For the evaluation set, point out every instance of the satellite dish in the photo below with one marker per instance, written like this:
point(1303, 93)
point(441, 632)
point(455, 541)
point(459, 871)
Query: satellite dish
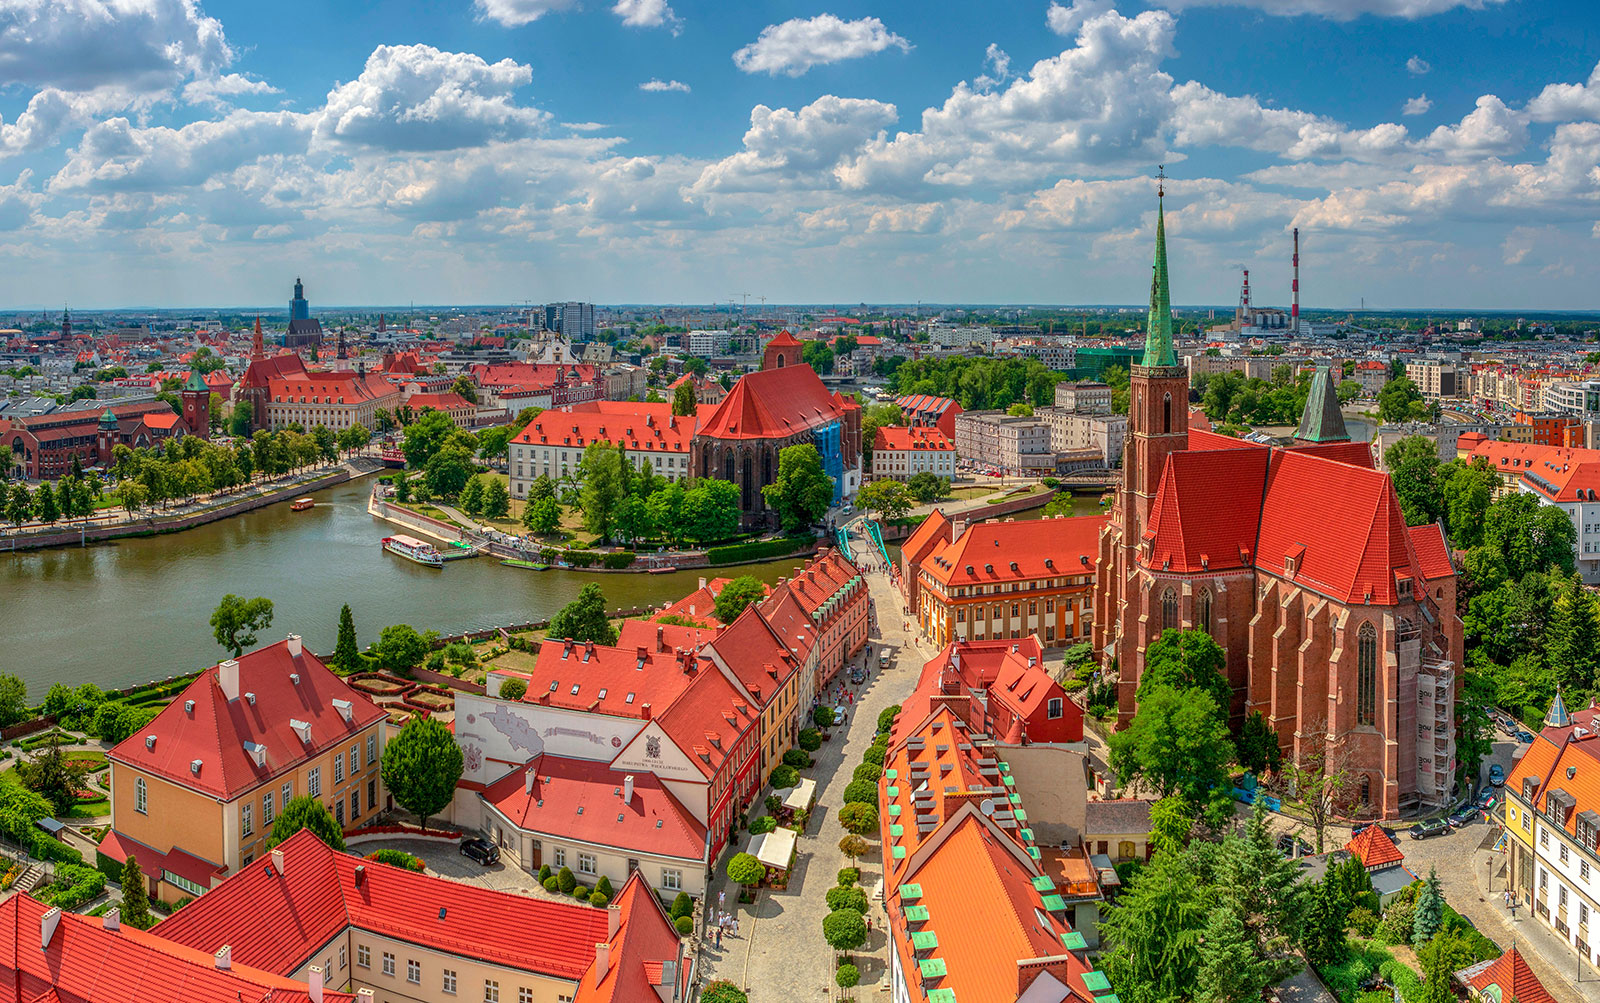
point(986, 806)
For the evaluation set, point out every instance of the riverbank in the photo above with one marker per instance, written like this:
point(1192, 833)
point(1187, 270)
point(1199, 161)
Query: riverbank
point(80, 534)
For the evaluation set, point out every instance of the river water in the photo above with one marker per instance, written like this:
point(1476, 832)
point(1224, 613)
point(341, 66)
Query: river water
point(129, 611)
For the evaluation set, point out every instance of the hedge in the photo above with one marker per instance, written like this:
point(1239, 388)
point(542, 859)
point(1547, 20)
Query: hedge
point(581, 558)
point(109, 866)
point(742, 553)
point(618, 561)
point(75, 886)
point(43, 847)
point(397, 858)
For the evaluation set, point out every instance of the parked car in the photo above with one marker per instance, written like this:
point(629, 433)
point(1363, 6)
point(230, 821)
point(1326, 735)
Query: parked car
point(883, 658)
point(1465, 815)
point(840, 716)
point(1525, 737)
point(1286, 846)
point(481, 850)
point(1432, 827)
point(1497, 775)
point(1486, 799)
point(857, 677)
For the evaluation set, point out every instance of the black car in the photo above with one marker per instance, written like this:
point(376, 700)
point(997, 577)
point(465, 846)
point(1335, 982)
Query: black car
point(1361, 827)
point(1465, 815)
point(481, 850)
point(857, 677)
point(1432, 827)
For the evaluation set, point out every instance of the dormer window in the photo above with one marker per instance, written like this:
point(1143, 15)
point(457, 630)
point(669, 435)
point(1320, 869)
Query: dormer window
point(1558, 804)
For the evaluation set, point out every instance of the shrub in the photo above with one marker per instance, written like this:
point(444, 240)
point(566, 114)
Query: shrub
point(397, 858)
point(603, 886)
point(683, 905)
point(810, 739)
point(685, 926)
point(1363, 921)
point(859, 817)
point(868, 772)
point(723, 991)
point(886, 718)
point(847, 976)
point(544, 873)
point(765, 823)
point(109, 866)
point(874, 754)
point(617, 561)
point(551, 884)
point(773, 803)
point(598, 899)
point(74, 886)
point(847, 897)
point(580, 893)
point(744, 553)
point(849, 875)
point(860, 792)
point(513, 689)
point(784, 777)
point(844, 929)
point(43, 847)
point(565, 881)
point(796, 758)
point(1075, 685)
point(823, 716)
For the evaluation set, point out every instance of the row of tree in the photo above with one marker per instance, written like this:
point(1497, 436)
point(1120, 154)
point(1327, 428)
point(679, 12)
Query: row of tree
point(976, 382)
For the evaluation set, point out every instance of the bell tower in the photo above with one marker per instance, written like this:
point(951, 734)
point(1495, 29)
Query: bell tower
point(1158, 409)
point(196, 397)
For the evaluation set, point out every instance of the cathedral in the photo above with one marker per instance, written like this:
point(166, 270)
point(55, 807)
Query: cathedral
point(1338, 620)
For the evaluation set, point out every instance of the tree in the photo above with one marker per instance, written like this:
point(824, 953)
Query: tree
point(1170, 823)
point(135, 895)
point(13, 700)
point(928, 487)
point(1443, 956)
point(683, 399)
point(542, 517)
point(603, 488)
point(1468, 490)
point(818, 356)
point(859, 819)
point(802, 492)
point(1020, 410)
point(20, 505)
point(888, 498)
point(723, 991)
point(306, 812)
point(584, 619)
point(1322, 927)
point(710, 511)
point(45, 501)
point(1413, 464)
point(465, 388)
point(448, 470)
point(241, 419)
point(426, 436)
point(1529, 536)
point(1322, 783)
point(1187, 659)
point(402, 487)
point(513, 690)
point(235, 621)
point(746, 869)
point(633, 519)
point(874, 417)
point(327, 442)
point(496, 499)
point(400, 647)
point(853, 846)
point(346, 655)
point(1176, 744)
point(1230, 971)
point(1573, 637)
point(1429, 911)
point(1265, 882)
point(421, 766)
point(49, 774)
point(844, 929)
point(1154, 929)
point(471, 497)
point(1400, 400)
point(738, 594)
point(1258, 745)
point(847, 976)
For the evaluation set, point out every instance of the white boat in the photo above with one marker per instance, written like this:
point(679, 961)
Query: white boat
point(413, 549)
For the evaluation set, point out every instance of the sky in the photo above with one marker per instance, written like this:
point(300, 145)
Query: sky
point(1439, 154)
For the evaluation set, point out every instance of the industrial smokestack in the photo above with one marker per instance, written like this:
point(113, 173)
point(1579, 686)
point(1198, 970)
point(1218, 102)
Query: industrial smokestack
point(1294, 305)
point(1244, 301)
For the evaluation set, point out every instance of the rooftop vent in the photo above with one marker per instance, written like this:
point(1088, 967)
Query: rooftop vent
point(294, 677)
point(188, 706)
point(251, 698)
point(194, 766)
point(150, 742)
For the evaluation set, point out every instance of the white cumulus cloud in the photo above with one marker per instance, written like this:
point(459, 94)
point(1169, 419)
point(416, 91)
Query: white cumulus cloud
point(664, 85)
point(647, 14)
point(136, 45)
point(1568, 102)
point(515, 13)
point(1418, 105)
point(1344, 10)
point(795, 46)
point(1417, 66)
point(217, 90)
point(783, 146)
point(996, 68)
point(1067, 20)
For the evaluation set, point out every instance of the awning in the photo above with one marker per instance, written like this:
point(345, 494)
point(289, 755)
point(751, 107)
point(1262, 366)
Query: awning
point(775, 848)
point(799, 798)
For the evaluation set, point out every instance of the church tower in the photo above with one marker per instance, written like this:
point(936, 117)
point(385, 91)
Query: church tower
point(257, 349)
point(1158, 409)
point(196, 397)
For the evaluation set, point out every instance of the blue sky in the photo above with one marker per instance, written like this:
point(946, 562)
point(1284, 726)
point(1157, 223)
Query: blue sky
point(1434, 153)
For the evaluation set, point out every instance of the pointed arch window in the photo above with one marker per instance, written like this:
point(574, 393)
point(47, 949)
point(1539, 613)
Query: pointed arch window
point(1366, 790)
point(1169, 609)
point(1166, 414)
point(1204, 605)
point(1367, 675)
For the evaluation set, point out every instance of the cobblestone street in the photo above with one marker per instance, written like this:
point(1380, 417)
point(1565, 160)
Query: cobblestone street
point(779, 952)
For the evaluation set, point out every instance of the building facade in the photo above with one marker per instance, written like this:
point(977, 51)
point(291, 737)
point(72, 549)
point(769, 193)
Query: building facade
point(552, 444)
point(901, 453)
point(1010, 444)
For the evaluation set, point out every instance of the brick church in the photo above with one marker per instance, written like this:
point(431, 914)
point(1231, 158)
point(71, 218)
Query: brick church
point(1338, 620)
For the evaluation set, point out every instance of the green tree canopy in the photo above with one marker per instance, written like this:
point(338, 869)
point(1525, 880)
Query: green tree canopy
point(135, 896)
point(1176, 744)
point(584, 619)
point(421, 766)
point(1187, 659)
point(426, 436)
point(802, 491)
point(604, 487)
point(306, 812)
point(890, 499)
point(235, 621)
point(683, 399)
point(1413, 464)
point(346, 653)
point(1400, 401)
point(928, 487)
point(745, 869)
point(401, 647)
point(738, 594)
point(1153, 932)
point(710, 511)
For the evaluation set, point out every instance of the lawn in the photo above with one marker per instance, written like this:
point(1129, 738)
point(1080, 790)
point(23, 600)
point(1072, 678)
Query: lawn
point(962, 494)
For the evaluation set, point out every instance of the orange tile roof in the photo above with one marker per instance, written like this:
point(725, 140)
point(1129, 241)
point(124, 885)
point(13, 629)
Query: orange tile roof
point(1511, 975)
point(774, 403)
point(1375, 848)
point(998, 552)
point(600, 679)
point(644, 427)
point(891, 437)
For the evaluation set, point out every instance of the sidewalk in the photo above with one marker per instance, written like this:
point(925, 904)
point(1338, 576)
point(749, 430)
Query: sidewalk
point(1556, 963)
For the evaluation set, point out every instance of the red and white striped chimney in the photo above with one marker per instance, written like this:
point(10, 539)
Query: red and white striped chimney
point(1294, 306)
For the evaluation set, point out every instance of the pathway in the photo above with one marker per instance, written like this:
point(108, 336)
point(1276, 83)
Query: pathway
point(780, 951)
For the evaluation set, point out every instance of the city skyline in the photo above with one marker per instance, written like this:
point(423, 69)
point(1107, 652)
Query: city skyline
point(1436, 154)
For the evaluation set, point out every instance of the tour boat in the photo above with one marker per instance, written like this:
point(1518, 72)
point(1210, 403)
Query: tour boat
point(512, 562)
point(662, 571)
point(413, 549)
point(301, 504)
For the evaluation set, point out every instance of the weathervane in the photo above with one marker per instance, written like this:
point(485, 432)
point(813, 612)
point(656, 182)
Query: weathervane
point(1161, 180)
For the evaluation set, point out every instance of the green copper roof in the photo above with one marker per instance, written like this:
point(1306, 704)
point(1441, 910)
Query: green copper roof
point(1322, 421)
point(1096, 982)
point(931, 968)
point(1073, 941)
point(1042, 883)
point(1158, 331)
point(910, 892)
point(195, 382)
point(108, 420)
point(942, 995)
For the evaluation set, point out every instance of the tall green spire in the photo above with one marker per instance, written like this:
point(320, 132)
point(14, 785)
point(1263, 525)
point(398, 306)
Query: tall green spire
point(1158, 330)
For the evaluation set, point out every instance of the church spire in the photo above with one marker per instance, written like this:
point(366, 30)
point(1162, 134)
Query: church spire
point(1322, 421)
point(257, 350)
point(1158, 330)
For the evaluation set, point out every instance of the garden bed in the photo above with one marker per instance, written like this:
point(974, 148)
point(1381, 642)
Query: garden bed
point(380, 687)
point(429, 700)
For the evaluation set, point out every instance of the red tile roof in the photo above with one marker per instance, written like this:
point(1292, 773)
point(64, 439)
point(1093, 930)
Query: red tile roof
point(755, 655)
point(708, 720)
point(1196, 522)
point(921, 438)
point(919, 403)
point(579, 799)
point(640, 427)
point(986, 552)
point(1375, 849)
point(1515, 981)
point(774, 403)
point(645, 953)
point(604, 680)
point(215, 732)
point(439, 402)
point(86, 963)
point(1433, 554)
point(277, 920)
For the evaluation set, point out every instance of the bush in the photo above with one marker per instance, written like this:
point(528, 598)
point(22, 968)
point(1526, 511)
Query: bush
point(617, 561)
point(544, 873)
point(683, 905)
point(581, 893)
point(603, 886)
point(1364, 959)
point(74, 886)
point(744, 553)
point(847, 976)
point(849, 875)
point(844, 929)
point(1363, 921)
point(868, 772)
point(796, 758)
point(599, 899)
point(773, 803)
point(860, 792)
point(810, 739)
point(551, 884)
point(875, 754)
point(685, 926)
point(1075, 685)
point(859, 818)
point(42, 847)
point(565, 881)
point(847, 897)
point(823, 716)
point(784, 777)
point(723, 991)
point(765, 823)
point(513, 689)
point(396, 858)
point(886, 718)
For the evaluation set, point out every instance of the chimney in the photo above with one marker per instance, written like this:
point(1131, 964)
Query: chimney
point(224, 957)
point(602, 960)
point(277, 861)
point(627, 789)
point(613, 921)
point(47, 927)
point(661, 637)
point(527, 780)
point(112, 920)
point(644, 711)
point(361, 874)
point(314, 983)
point(295, 646)
point(228, 678)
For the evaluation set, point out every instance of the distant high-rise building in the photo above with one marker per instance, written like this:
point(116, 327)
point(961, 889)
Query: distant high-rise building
point(552, 316)
point(577, 321)
point(299, 309)
point(303, 332)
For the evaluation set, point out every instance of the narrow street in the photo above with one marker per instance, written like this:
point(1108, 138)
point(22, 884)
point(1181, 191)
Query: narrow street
point(779, 949)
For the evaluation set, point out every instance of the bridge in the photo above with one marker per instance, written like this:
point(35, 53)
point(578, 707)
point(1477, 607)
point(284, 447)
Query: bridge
point(1099, 478)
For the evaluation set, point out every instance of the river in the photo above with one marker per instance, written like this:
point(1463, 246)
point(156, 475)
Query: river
point(133, 610)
